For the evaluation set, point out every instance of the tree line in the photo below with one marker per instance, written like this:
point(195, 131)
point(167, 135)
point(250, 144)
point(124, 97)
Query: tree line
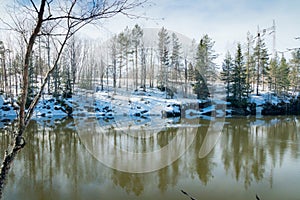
point(124, 61)
point(128, 61)
point(256, 71)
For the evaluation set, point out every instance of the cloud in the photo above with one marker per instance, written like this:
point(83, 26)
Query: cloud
point(228, 21)
point(225, 21)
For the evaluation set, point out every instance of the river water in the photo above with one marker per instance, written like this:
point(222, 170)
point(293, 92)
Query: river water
point(250, 156)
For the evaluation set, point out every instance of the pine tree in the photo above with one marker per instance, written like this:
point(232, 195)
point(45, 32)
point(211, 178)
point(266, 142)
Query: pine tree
point(295, 70)
point(239, 85)
point(163, 50)
point(250, 63)
point(227, 68)
point(293, 77)
point(205, 57)
point(205, 66)
point(261, 60)
point(192, 54)
point(191, 72)
point(200, 87)
point(137, 34)
point(66, 86)
point(175, 57)
point(283, 81)
point(273, 75)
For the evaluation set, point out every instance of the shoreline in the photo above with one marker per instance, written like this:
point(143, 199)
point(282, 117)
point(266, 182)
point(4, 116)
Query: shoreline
point(108, 107)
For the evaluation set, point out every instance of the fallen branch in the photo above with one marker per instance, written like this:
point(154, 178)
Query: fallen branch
point(186, 194)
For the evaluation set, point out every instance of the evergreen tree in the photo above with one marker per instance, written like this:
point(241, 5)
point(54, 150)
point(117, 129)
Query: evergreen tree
point(295, 70)
point(205, 66)
point(175, 57)
point(227, 68)
point(261, 60)
point(191, 72)
point(273, 75)
point(283, 81)
point(293, 77)
point(200, 87)
point(137, 34)
point(250, 64)
point(239, 85)
point(205, 57)
point(192, 55)
point(66, 77)
point(163, 50)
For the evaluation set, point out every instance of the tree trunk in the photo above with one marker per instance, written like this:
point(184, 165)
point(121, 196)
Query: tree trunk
point(19, 142)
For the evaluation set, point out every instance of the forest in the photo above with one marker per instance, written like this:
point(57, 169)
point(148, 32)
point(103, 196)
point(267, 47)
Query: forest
point(130, 61)
point(163, 98)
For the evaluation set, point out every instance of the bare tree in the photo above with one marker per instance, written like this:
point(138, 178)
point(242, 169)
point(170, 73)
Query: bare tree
point(151, 70)
point(74, 46)
point(143, 67)
point(3, 63)
point(60, 19)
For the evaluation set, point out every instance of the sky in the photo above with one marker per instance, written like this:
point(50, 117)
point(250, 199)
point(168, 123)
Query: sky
point(225, 21)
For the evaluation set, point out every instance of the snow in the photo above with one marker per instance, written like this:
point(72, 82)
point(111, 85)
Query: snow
point(268, 97)
point(6, 110)
point(137, 109)
point(49, 107)
point(258, 100)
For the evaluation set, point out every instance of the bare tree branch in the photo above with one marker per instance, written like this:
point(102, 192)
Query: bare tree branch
point(68, 18)
point(47, 76)
point(33, 4)
point(26, 66)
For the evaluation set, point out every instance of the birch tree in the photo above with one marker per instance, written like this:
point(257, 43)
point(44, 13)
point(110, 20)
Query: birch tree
point(61, 20)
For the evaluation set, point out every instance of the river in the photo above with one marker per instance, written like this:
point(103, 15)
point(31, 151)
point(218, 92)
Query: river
point(250, 156)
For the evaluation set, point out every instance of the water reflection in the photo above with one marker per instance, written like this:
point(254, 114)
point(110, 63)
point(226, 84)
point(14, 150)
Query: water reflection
point(129, 150)
point(252, 156)
point(251, 151)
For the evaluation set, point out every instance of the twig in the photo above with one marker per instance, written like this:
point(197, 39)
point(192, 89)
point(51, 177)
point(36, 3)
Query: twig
point(257, 197)
point(186, 194)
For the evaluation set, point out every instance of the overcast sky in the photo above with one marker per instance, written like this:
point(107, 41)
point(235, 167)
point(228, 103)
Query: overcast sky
point(225, 21)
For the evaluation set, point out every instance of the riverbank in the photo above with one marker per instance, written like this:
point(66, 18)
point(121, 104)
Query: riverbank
point(107, 105)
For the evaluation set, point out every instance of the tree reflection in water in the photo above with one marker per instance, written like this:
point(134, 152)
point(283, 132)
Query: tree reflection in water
point(56, 165)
